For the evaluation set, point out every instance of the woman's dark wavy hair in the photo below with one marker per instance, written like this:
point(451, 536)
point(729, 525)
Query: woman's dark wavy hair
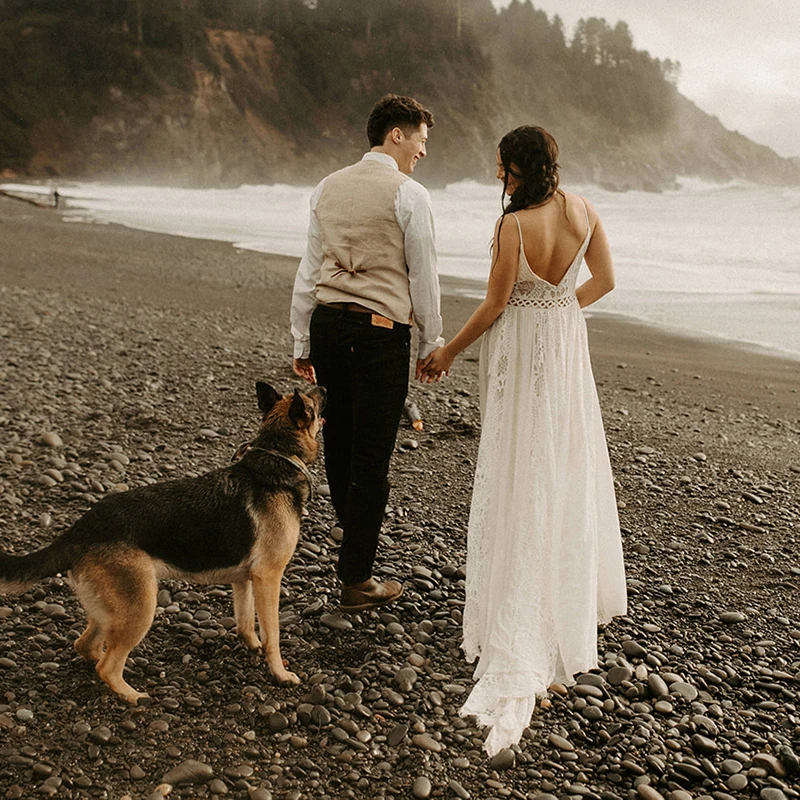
point(529, 154)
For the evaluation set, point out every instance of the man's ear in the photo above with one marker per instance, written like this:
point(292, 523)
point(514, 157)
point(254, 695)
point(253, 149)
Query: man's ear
point(298, 413)
point(267, 397)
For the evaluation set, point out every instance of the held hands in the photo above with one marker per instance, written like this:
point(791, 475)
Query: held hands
point(436, 365)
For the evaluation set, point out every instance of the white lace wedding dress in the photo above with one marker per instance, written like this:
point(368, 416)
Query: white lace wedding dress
point(544, 562)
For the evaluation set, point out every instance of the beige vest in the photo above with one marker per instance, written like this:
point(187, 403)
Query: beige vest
point(363, 247)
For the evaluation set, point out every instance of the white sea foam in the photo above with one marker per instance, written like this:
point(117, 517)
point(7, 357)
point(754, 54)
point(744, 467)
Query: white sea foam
point(707, 258)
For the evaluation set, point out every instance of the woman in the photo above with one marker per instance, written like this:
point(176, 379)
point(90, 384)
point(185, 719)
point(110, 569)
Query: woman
point(544, 563)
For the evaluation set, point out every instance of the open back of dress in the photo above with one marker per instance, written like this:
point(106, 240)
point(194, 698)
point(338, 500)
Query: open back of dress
point(544, 560)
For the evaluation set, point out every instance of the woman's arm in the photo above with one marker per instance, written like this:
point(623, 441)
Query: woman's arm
point(598, 260)
point(503, 274)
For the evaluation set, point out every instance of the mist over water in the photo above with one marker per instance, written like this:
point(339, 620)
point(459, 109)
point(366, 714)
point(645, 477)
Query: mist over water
point(710, 259)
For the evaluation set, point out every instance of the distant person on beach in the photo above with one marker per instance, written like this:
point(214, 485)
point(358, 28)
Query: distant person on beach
point(369, 269)
point(544, 554)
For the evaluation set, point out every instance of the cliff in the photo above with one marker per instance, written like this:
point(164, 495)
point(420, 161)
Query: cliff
point(96, 93)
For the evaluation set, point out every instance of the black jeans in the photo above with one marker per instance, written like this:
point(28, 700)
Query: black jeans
point(364, 369)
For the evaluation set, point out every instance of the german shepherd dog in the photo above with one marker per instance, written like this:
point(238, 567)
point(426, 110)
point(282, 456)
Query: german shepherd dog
point(237, 525)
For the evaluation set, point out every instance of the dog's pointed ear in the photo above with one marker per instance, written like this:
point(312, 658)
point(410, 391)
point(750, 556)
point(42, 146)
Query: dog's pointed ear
point(267, 397)
point(298, 413)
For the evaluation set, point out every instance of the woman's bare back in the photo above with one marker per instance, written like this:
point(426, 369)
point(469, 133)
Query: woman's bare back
point(552, 235)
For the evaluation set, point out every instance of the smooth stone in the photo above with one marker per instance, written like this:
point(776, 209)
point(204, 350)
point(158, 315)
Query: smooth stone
point(703, 744)
point(405, 679)
point(685, 690)
point(590, 679)
point(505, 759)
point(770, 763)
point(51, 439)
point(616, 675)
point(101, 735)
point(458, 790)
point(422, 788)
point(277, 722)
point(633, 649)
point(190, 771)
point(587, 690)
point(732, 617)
point(737, 782)
point(426, 742)
point(397, 734)
point(658, 685)
point(560, 743)
point(592, 713)
point(772, 793)
point(336, 622)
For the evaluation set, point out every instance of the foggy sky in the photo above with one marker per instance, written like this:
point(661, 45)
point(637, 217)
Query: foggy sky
point(740, 59)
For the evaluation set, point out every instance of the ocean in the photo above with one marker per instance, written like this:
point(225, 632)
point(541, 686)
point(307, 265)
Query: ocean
point(705, 259)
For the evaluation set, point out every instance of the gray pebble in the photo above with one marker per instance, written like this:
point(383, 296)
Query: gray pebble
point(658, 686)
point(190, 771)
point(336, 622)
point(505, 759)
point(397, 734)
point(685, 690)
point(732, 617)
point(422, 788)
point(426, 742)
point(458, 790)
point(616, 675)
point(737, 782)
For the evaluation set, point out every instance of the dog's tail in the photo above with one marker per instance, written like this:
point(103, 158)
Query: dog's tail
point(19, 573)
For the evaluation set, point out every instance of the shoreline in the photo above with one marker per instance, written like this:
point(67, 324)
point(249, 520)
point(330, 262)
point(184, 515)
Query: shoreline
point(770, 344)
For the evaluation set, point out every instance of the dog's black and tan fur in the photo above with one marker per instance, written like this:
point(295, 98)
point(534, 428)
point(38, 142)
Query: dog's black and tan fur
point(237, 525)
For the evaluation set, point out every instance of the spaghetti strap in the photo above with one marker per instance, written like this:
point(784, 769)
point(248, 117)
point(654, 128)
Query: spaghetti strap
point(519, 229)
point(586, 214)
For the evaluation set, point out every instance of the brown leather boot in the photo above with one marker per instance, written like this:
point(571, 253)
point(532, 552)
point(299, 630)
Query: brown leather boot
point(370, 593)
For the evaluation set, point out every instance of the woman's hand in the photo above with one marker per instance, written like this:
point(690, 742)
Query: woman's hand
point(435, 366)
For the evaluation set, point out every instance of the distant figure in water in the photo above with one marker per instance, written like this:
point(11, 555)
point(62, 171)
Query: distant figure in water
point(544, 554)
point(56, 198)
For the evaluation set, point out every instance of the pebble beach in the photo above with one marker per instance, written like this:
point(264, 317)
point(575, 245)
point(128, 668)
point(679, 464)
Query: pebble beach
point(129, 357)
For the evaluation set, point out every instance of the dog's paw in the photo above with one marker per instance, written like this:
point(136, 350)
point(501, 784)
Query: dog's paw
point(286, 678)
point(136, 698)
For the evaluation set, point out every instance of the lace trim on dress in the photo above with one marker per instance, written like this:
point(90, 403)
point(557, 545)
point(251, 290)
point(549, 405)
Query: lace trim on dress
point(540, 294)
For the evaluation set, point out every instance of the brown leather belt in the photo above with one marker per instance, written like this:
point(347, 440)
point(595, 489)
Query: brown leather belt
point(377, 320)
point(349, 307)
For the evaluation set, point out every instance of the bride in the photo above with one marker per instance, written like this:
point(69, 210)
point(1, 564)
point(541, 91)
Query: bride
point(544, 560)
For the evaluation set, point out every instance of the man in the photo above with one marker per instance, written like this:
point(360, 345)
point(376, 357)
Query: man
point(368, 271)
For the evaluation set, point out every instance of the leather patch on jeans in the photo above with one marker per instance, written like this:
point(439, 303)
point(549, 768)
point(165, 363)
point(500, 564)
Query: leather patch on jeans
point(382, 322)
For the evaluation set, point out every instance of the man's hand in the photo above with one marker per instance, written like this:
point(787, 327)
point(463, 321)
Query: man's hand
point(305, 369)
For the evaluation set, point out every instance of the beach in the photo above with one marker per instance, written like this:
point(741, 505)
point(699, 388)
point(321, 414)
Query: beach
point(130, 357)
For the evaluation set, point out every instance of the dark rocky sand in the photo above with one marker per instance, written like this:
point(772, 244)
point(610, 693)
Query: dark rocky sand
point(128, 357)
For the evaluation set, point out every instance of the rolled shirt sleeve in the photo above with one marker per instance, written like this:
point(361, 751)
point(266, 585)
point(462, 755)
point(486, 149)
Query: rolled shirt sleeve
point(415, 217)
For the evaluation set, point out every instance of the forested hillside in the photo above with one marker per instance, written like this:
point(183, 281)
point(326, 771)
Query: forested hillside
point(231, 91)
